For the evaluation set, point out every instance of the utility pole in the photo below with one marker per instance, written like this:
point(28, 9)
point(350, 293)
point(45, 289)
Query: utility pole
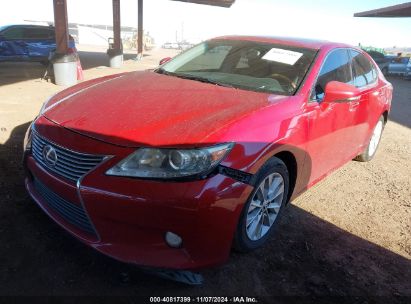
point(140, 31)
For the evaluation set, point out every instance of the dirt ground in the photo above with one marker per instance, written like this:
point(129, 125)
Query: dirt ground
point(348, 236)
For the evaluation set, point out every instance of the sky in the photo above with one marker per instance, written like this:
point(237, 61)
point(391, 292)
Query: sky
point(164, 20)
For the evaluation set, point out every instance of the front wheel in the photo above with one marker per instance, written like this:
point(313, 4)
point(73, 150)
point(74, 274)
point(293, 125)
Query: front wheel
point(264, 206)
point(369, 152)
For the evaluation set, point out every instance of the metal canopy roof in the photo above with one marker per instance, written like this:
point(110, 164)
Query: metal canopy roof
point(223, 3)
point(400, 10)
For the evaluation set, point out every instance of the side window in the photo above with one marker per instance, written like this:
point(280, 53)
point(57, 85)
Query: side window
point(336, 67)
point(363, 70)
point(14, 33)
point(37, 33)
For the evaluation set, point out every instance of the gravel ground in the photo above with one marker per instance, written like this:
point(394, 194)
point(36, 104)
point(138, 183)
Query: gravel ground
point(347, 236)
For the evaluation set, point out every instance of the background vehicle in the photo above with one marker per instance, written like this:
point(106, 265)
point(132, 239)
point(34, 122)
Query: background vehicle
point(397, 66)
point(184, 45)
point(380, 59)
point(170, 45)
point(28, 43)
point(408, 70)
point(130, 43)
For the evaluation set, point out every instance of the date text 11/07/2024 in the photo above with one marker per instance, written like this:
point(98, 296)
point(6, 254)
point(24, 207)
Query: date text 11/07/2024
point(203, 300)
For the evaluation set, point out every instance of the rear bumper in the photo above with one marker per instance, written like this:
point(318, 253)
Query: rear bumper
point(129, 217)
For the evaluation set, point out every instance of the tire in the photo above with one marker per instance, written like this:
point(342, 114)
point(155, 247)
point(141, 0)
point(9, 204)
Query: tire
point(373, 143)
point(247, 238)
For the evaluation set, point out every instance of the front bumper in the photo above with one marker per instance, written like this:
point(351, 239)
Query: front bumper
point(129, 217)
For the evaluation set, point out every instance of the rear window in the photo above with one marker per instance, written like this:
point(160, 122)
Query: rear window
point(39, 33)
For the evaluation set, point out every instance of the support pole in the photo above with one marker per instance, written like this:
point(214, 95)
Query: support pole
point(61, 26)
point(140, 30)
point(116, 24)
point(115, 50)
point(64, 64)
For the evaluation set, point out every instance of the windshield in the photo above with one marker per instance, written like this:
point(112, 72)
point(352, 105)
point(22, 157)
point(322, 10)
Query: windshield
point(248, 65)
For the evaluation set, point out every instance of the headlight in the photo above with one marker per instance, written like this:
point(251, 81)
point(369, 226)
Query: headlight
point(171, 163)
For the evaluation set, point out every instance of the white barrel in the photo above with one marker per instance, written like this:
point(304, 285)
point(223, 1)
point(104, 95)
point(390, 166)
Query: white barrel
point(65, 69)
point(116, 61)
point(65, 73)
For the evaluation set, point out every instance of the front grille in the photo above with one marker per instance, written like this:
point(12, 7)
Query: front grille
point(72, 213)
point(69, 164)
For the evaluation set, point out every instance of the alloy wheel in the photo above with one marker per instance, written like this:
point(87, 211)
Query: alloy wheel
point(265, 206)
point(375, 138)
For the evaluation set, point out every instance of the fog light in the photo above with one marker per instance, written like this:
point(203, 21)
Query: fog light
point(173, 240)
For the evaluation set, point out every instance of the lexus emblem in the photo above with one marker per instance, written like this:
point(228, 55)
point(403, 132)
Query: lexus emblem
point(50, 155)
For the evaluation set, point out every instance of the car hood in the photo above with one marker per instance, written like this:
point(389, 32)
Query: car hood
point(150, 109)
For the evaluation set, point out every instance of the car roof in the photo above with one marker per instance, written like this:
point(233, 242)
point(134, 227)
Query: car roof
point(292, 41)
point(28, 25)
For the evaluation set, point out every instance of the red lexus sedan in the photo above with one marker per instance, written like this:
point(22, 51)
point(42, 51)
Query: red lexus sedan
point(172, 168)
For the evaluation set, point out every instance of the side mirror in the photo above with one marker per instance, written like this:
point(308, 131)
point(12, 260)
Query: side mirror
point(165, 60)
point(336, 91)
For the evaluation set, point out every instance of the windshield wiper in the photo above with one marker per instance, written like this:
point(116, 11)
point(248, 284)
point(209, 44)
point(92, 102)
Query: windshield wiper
point(202, 79)
point(162, 71)
point(193, 77)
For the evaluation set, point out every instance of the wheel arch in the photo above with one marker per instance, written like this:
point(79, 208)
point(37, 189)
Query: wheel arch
point(385, 115)
point(290, 161)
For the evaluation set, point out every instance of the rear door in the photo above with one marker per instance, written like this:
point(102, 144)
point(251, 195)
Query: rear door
point(12, 44)
point(367, 109)
point(40, 42)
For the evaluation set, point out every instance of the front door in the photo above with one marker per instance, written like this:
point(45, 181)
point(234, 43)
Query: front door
point(330, 124)
point(12, 44)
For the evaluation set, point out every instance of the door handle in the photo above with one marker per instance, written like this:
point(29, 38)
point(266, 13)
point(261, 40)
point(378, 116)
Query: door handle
point(349, 99)
point(354, 98)
point(354, 105)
